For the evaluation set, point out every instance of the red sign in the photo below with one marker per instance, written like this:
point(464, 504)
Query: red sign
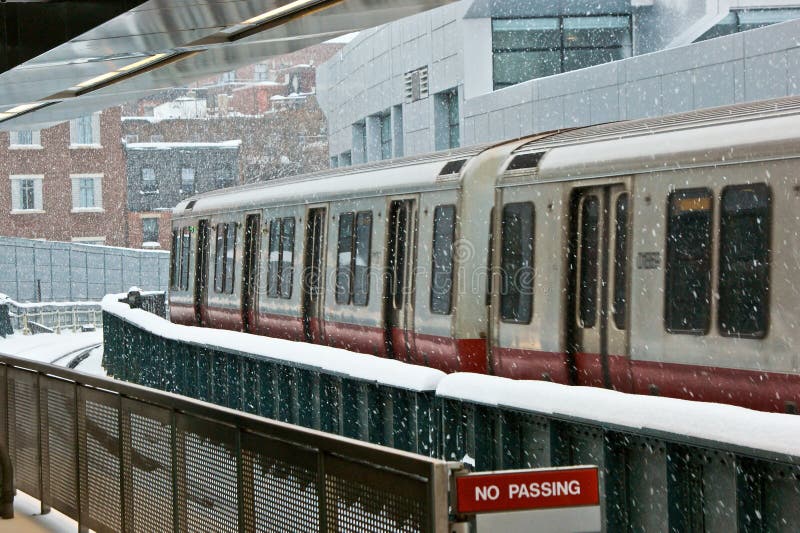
point(527, 489)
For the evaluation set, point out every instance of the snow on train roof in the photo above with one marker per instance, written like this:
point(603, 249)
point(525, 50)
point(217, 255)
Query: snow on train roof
point(767, 128)
point(373, 179)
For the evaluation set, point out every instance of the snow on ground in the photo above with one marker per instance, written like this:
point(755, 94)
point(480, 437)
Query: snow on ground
point(57, 349)
point(27, 518)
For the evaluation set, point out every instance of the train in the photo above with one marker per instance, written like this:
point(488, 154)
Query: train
point(656, 256)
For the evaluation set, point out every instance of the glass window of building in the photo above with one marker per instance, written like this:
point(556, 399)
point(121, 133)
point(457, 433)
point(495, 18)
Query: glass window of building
point(149, 181)
point(528, 48)
point(187, 180)
point(85, 130)
point(26, 193)
point(86, 192)
point(386, 135)
point(224, 178)
point(447, 133)
point(749, 19)
point(25, 138)
point(150, 229)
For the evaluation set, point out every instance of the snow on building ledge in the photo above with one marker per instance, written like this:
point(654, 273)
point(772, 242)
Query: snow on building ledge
point(229, 145)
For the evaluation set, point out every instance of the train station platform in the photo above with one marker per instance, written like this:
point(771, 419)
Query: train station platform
point(28, 519)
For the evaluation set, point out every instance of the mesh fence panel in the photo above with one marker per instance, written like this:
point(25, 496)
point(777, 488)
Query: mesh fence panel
point(148, 460)
point(207, 473)
point(100, 487)
point(62, 446)
point(24, 426)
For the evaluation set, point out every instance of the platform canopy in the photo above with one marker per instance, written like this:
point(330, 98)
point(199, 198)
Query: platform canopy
point(65, 59)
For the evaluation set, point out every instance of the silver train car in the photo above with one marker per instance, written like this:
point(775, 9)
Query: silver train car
point(654, 256)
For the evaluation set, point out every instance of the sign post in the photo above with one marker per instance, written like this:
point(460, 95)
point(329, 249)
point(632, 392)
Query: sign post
point(504, 498)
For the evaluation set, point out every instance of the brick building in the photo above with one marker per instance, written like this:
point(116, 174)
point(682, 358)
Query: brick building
point(66, 182)
point(161, 174)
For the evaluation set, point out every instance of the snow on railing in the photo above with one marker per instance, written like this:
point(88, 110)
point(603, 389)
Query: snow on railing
point(38, 317)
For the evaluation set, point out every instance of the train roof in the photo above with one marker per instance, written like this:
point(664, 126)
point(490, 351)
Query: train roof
point(397, 176)
point(752, 131)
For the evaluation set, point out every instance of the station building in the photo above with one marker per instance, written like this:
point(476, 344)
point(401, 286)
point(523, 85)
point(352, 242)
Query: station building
point(479, 71)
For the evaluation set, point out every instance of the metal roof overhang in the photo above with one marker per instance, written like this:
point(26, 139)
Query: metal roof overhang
point(126, 50)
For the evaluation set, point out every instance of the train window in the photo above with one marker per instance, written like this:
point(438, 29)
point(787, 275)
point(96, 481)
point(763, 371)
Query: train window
point(687, 293)
point(352, 266)
point(744, 260)
point(444, 224)
point(361, 257)
point(186, 248)
point(620, 260)
point(174, 264)
point(274, 264)
point(219, 259)
point(516, 296)
point(589, 235)
point(281, 258)
point(344, 255)
point(287, 257)
point(230, 257)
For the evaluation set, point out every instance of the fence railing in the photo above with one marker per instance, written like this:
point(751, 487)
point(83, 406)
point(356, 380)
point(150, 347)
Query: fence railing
point(52, 316)
point(120, 457)
point(651, 479)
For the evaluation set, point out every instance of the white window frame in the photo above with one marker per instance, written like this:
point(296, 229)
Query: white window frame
point(38, 200)
point(194, 183)
point(13, 141)
point(73, 133)
point(98, 193)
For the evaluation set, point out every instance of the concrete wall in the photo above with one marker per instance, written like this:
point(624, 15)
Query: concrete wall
point(749, 66)
point(76, 272)
point(454, 41)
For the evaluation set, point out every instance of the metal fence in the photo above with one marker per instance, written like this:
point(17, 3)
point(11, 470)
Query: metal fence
point(119, 457)
point(650, 480)
point(44, 317)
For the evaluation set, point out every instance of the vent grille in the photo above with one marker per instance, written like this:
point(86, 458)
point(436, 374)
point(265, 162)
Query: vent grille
point(416, 85)
point(525, 161)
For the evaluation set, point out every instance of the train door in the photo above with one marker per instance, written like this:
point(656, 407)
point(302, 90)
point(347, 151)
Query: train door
point(314, 275)
point(399, 290)
point(600, 219)
point(201, 272)
point(252, 238)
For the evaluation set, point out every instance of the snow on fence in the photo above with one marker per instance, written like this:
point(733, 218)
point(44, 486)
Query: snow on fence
point(665, 464)
point(49, 317)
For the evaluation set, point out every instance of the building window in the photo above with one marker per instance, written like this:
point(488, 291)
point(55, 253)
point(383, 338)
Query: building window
point(261, 72)
point(744, 259)
point(749, 19)
point(149, 181)
point(150, 229)
point(446, 119)
point(345, 159)
point(223, 179)
point(25, 139)
point(86, 192)
point(281, 258)
point(359, 152)
point(528, 48)
point(85, 131)
point(444, 226)
point(687, 292)
point(516, 271)
point(228, 77)
point(334, 162)
point(386, 135)
point(187, 180)
point(26, 193)
point(352, 265)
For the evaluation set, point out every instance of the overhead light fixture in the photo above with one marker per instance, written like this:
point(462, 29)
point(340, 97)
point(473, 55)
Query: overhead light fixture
point(279, 11)
point(148, 63)
point(22, 109)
